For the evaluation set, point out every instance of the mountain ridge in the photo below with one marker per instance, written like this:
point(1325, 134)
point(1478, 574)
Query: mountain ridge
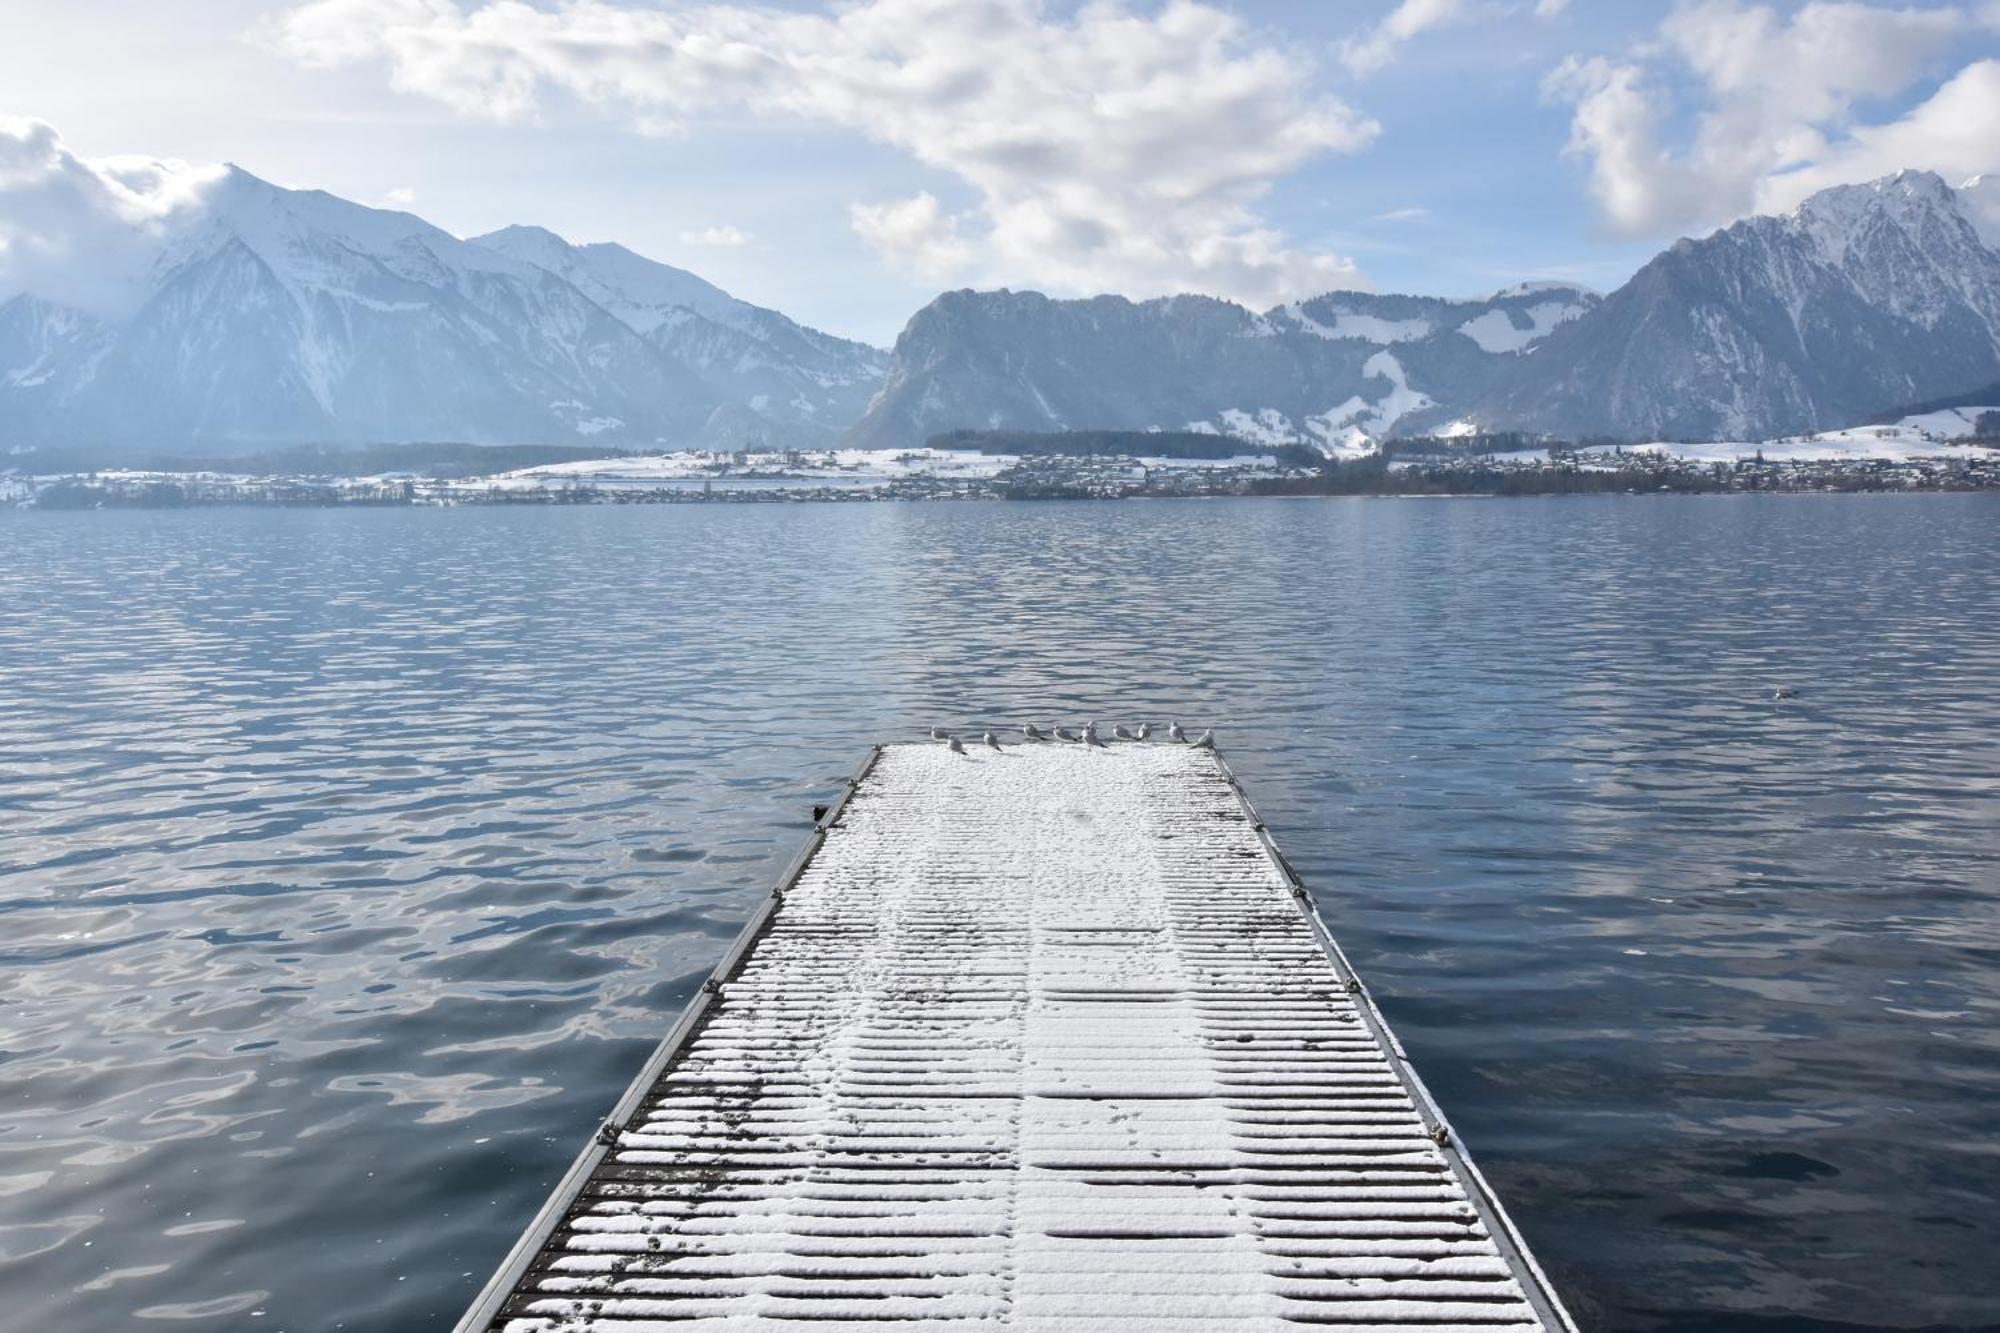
point(1863, 297)
point(1300, 373)
point(270, 316)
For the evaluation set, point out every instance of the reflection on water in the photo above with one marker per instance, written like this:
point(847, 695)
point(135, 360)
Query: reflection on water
point(353, 861)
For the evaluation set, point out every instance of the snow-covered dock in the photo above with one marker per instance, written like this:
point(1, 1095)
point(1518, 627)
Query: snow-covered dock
point(1045, 1038)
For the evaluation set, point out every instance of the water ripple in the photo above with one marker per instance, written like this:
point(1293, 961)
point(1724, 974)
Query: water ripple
point(351, 862)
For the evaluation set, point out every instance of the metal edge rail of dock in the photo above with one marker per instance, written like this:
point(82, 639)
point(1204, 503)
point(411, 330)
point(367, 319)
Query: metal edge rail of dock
point(1050, 1037)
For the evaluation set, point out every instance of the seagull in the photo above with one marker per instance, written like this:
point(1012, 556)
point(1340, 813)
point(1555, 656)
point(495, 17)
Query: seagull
point(1090, 736)
point(1143, 729)
point(1062, 735)
point(991, 743)
point(1784, 692)
point(940, 734)
point(1174, 732)
point(1206, 741)
point(953, 742)
point(1122, 734)
point(1033, 732)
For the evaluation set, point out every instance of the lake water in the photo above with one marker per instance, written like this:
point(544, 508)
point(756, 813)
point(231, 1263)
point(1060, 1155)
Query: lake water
point(351, 862)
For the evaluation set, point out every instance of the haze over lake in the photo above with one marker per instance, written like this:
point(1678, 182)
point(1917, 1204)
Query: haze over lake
point(354, 860)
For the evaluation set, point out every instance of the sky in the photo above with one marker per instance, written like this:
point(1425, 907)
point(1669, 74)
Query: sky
point(844, 162)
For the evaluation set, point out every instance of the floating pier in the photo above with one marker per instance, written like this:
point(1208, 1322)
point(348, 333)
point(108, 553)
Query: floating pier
point(1047, 1038)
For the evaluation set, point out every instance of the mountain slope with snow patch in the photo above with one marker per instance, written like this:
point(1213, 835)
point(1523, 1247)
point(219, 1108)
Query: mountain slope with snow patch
point(1337, 372)
point(275, 316)
point(1864, 297)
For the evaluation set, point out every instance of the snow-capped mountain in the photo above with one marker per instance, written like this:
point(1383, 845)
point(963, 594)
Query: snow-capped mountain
point(1864, 298)
point(261, 315)
point(1979, 199)
point(810, 385)
point(271, 315)
point(1336, 371)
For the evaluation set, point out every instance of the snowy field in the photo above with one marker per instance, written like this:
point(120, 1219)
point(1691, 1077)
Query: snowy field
point(821, 467)
point(1925, 436)
point(1932, 435)
point(822, 464)
point(1928, 436)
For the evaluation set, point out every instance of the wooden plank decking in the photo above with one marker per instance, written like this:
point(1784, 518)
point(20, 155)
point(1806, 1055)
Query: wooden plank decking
point(1048, 1039)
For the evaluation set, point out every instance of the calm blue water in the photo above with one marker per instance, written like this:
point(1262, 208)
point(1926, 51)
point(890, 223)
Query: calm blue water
point(350, 863)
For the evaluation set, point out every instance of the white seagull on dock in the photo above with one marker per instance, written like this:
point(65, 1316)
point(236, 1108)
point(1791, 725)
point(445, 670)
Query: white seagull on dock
point(1122, 734)
point(1174, 732)
point(1143, 730)
point(1033, 732)
point(991, 743)
point(956, 748)
point(1205, 741)
point(1062, 735)
point(1090, 736)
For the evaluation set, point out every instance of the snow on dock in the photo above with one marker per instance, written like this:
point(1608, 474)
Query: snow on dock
point(1046, 1038)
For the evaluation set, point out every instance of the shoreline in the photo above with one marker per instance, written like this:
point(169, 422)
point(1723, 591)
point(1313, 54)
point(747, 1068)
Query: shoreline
point(802, 477)
point(649, 499)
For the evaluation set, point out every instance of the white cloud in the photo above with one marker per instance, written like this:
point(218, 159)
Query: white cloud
point(1955, 132)
point(400, 197)
point(84, 233)
point(1377, 47)
point(1777, 114)
point(1111, 148)
point(721, 237)
point(915, 233)
point(1402, 215)
point(1635, 181)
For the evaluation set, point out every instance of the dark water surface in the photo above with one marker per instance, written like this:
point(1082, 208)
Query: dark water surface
point(350, 863)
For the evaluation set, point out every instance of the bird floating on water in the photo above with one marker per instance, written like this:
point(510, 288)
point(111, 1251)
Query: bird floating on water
point(1032, 732)
point(1174, 732)
point(1784, 692)
point(940, 734)
point(1122, 734)
point(953, 742)
point(1205, 741)
point(991, 743)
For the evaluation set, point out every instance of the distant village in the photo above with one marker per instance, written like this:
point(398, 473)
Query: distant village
point(969, 466)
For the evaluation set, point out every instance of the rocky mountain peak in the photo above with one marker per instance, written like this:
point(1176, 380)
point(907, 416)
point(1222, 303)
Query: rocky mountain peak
point(1917, 207)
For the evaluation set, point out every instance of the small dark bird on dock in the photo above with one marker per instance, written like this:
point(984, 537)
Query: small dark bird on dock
point(991, 743)
point(1174, 732)
point(956, 748)
point(1122, 734)
point(1205, 741)
point(1143, 730)
point(1033, 732)
point(1784, 692)
point(940, 734)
